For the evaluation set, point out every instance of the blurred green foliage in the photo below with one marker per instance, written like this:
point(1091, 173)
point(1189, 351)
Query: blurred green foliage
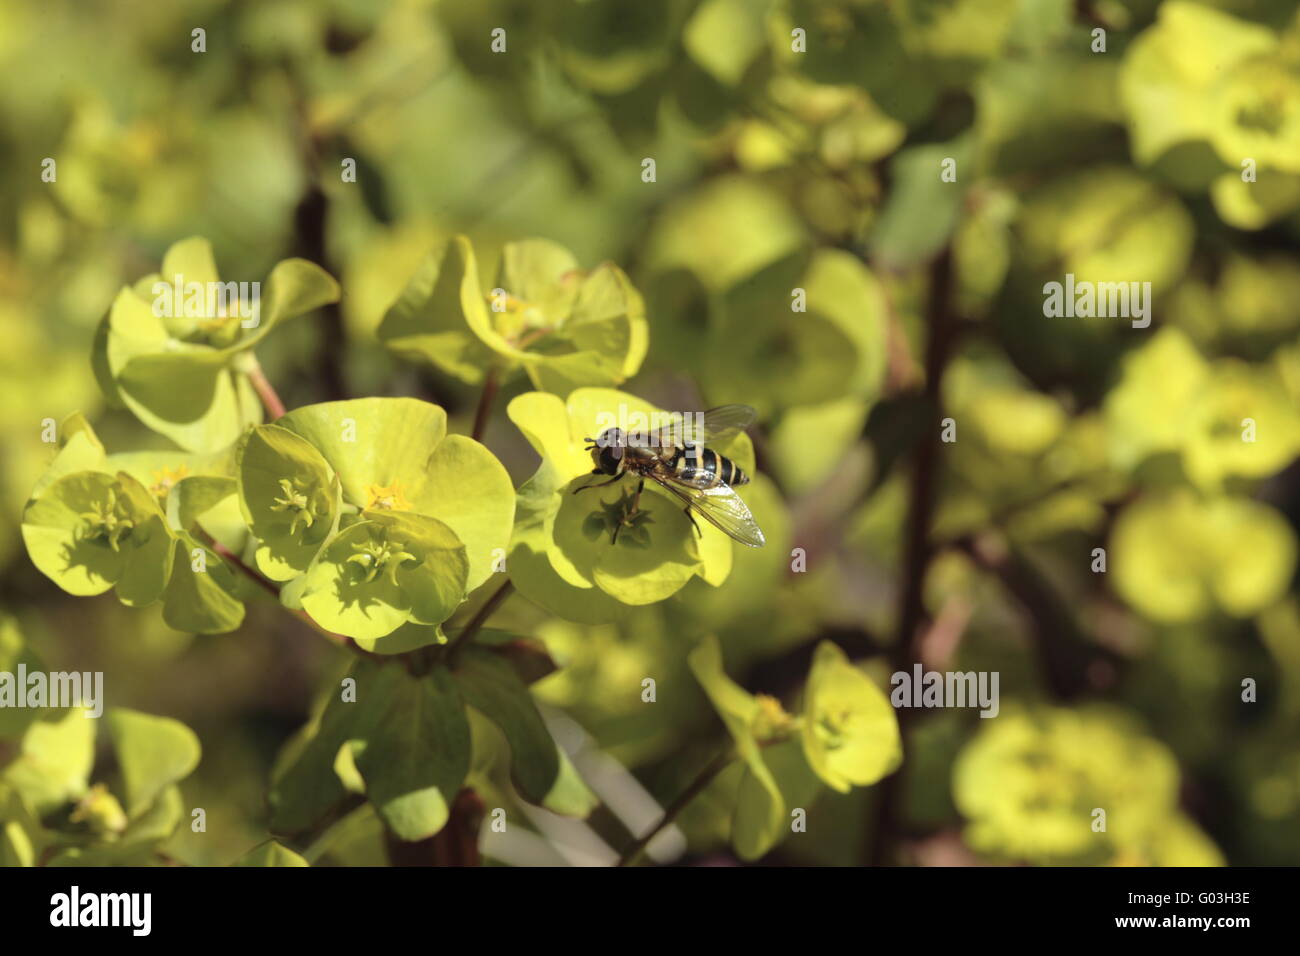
point(798, 249)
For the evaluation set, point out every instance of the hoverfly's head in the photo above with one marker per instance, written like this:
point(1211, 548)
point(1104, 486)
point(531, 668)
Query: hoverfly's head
point(607, 450)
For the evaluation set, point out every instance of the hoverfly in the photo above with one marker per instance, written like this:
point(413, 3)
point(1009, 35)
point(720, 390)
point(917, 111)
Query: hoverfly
point(697, 476)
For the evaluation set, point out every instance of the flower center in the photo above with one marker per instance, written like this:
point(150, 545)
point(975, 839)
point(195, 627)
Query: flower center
point(297, 503)
point(165, 478)
point(772, 721)
point(832, 728)
point(108, 521)
point(387, 498)
point(376, 556)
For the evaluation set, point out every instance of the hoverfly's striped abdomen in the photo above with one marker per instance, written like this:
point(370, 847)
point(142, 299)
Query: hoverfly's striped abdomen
point(708, 468)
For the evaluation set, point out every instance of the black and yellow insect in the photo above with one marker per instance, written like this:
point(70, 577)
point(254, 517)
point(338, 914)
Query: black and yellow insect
point(675, 457)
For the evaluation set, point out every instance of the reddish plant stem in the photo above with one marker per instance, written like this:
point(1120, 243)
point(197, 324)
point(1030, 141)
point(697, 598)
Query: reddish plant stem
point(696, 787)
point(265, 391)
point(270, 588)
point(229, 556)
point(490, 386)
point(480, 618)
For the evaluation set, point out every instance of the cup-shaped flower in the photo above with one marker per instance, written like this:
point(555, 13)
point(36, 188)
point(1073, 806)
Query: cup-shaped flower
point(1030, 782)
point(383, 571)
point(775, 773)
point(129, 520)
point(358, 470)
point(174, 347)
point(290, 498)
point(564, 327)
point(657, 549)
point(90, 531)
point(98, 824)
point(850, 730)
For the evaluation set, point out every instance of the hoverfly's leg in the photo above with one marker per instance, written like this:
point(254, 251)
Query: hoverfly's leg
point(691, 518)
point(598, 484)
point(628, 511)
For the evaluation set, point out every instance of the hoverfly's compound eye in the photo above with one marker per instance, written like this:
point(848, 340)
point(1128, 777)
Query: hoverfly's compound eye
point(606, 458)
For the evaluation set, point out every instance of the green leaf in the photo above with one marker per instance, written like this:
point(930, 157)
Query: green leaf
point(152, 754)
point(727, 229)
point(489, 684)
point(545, 422)
point(839, 347)
point(764, 805)
point(570, 796)
point(55, 533)
point(79, 450)
point(467, 489)
point(304, 785)
point(803, 464)
point(534, 271)
point(415, 761)
point(922, 210)
point(14, 653)
point(1255, 205)
point(157, 823)
point(15, 845)
point(429, 320)
point(759, 820)
point(270, 853)
point(294, 287)
point(191, 260)
point(54, 762)
point(408, 637)
point(724, 37)
point(373, 443)
point(201, 601)
point(194, 496)
point(565, 327)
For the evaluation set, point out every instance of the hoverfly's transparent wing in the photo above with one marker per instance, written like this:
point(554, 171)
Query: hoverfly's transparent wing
point(724, 422)
point(708, 428)
point(720, 506)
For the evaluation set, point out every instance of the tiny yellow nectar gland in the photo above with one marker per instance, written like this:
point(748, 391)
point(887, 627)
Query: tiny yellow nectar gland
point(772, 720)
point(166, 477)
point(387, 498)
